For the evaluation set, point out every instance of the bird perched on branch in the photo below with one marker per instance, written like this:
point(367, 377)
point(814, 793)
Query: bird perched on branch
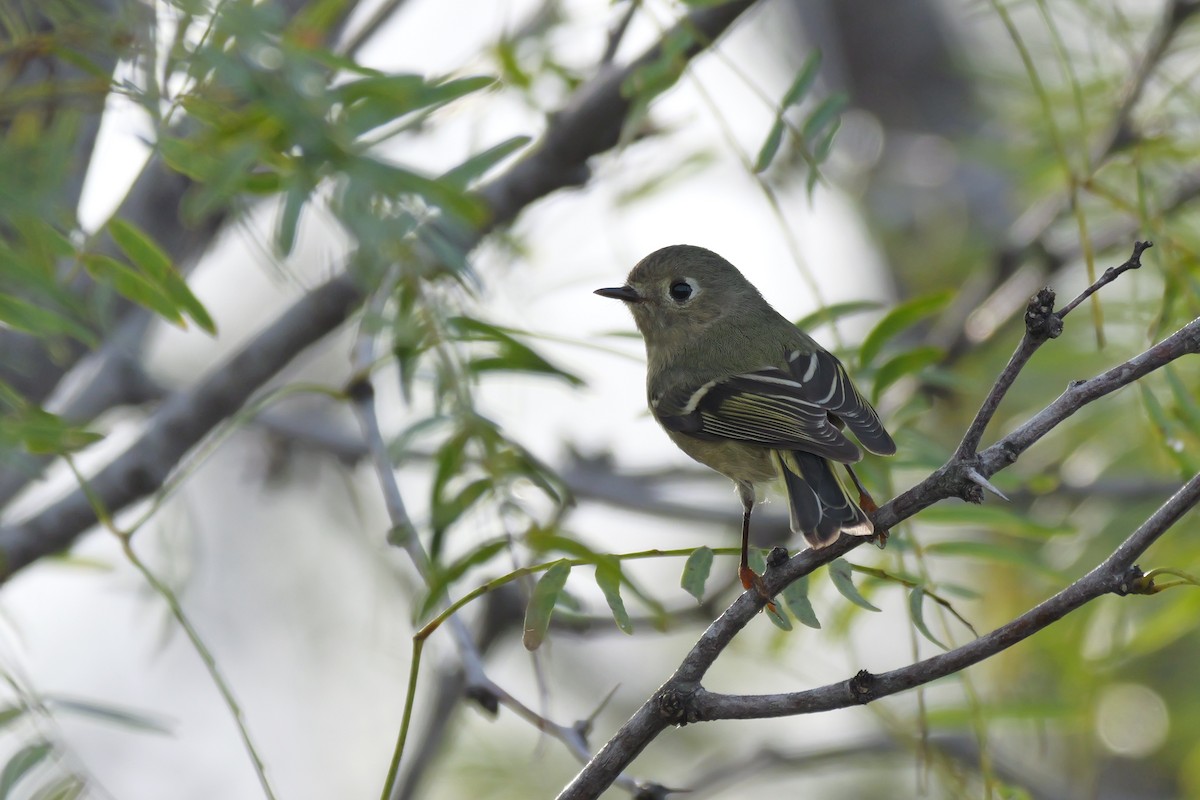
point(742, 390)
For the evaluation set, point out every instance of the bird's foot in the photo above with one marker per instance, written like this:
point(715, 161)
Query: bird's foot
point(752, 580)
point(867, 503)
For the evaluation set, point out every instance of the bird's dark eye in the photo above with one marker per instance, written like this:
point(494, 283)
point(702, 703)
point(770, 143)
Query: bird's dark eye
point(680, 291)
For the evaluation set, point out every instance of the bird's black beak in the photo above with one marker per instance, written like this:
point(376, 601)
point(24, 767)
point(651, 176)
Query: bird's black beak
point(626, 293)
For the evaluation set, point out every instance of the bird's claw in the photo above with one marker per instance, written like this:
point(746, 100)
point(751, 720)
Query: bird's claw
point(752, 580)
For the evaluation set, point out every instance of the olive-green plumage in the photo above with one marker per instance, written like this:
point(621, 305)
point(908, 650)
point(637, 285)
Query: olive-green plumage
point(742, 390)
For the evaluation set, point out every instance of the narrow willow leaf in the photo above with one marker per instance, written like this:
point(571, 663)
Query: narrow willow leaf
point(770, 146)
point(608, 578)
point(133, 286)
point(1014, 554)
point(840, 571)
point(900, 318)
point(10, 714)
point(795, 595)
point(1185, 400)
point(145, 254)
point(444, 577)
point(825, 114)
point(65, 787)
point(399, 181)
point(834, 312)
point(21, 763)
point(695, 572)
point(42, 433)
point(916, 610)
point(107, 713)
point(904, 364)
point(27, 317)
point(795, 93)
point(289, 220)
point(478, 164)
point(541, 604)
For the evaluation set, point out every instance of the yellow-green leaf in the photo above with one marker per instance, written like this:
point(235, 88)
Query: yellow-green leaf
point(916, 610)
point(145, 254)
point(900, 318)
point(541, 603)
point(608, 578)
point(839, 571)
point(795, 595)
point(695, 572)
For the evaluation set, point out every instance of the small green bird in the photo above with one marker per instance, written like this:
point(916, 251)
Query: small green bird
point(742, 390)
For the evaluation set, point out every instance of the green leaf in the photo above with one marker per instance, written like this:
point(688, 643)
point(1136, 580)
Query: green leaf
point(27, 317)
point(478, 164)
point(904, 364)
point(443, 577)
point(823, 115)
point(608, 578)
point(695, 572)
point(144, 253)
point(900, 318)
point(511, 356)
point(995, 518)
point(916, 610)
point(132, 285)
point(770, 146)
point(795, 93)
point(778, 618)
point(289, 219)
point(1185, 400)
point(107, 713)
point(795, 595)
point(376, 100)
point(1019, 556)
point(804, 80)
point(396, 180)
point(448, 510)
point(541, 603)
point(654, 77)
point(10, 714)
point(840, 571)
point(832, 313)
point(65, 787)
point(20, 764)
point(42, 433)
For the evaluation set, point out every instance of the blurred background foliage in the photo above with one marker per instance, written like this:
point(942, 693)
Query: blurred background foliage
point(982, 150)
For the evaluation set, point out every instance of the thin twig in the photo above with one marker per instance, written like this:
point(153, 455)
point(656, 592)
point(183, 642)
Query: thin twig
point(618, 33)
point(1041, 324)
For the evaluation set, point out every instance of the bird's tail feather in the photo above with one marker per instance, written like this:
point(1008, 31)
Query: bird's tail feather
point(819, 506)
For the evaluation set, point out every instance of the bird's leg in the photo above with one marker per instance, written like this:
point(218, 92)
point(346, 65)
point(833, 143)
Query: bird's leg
point(867, 504)
point(750, 579)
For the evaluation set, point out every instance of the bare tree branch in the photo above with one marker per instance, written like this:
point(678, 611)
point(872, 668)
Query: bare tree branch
point(682, 699)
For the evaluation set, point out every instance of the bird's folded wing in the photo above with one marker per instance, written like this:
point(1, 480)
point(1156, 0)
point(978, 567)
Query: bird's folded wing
point(791, 409)
point(823, 380)
point(767, 407)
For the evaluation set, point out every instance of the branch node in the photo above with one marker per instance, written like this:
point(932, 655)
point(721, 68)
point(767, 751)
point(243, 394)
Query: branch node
point(485, 698)
point(1134, 581)
point(1041, 323)
point(674, 704)
point(862, 687)
point(777, 557)
point(360, 389)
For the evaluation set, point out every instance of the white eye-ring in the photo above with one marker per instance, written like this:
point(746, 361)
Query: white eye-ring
point(681, 290)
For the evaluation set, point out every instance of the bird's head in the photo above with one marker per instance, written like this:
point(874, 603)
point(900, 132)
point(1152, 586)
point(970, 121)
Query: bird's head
point(678, 291)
